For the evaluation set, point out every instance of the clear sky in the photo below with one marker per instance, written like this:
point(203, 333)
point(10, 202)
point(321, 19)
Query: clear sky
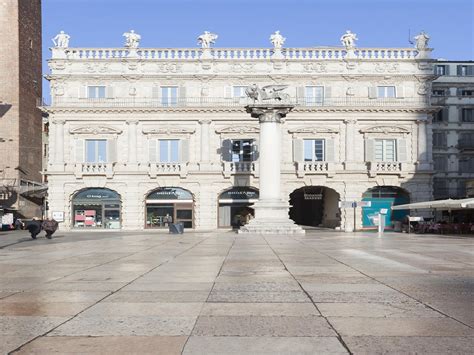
point(249, 23)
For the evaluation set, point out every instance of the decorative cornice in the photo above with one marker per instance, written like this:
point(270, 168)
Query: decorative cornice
point(95, 130)
point(238, 129)
point(312, 130)
point(385, 129)
point(168, 130)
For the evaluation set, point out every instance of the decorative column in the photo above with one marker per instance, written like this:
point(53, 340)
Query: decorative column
point(132, 142)
point(205, 153)
point(271, 212)
point(59, 142)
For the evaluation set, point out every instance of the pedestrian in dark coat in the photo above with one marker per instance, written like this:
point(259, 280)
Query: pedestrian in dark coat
point(49, 225)
point(34, 227)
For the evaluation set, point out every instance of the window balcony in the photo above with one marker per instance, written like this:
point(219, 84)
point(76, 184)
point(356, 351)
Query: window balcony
point(385, 167)
point(314, 167)
point(98, 169)
point(155, 169)
point(240, 168)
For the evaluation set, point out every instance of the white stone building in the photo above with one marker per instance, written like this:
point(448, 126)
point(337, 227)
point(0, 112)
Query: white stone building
point(453, 128)
point(140, 137)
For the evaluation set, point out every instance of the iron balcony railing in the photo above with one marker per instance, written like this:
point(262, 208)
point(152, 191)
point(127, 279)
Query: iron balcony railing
point(231, 102)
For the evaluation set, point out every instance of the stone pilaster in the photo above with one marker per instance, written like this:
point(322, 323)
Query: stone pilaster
point(132, 142)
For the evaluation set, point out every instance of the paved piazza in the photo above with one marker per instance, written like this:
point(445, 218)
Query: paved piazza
point(198, 293)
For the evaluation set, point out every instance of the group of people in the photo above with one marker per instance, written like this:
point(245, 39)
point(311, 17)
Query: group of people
point(35, 226)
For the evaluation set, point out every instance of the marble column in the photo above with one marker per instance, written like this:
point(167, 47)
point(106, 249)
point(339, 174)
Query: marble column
point(271, 211)
point(132, 142)
point(59, 144)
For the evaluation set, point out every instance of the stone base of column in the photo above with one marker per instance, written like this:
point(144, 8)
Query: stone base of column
point(271, 217)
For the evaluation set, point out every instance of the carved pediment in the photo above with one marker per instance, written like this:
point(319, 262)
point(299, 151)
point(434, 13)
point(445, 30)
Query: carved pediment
point(238, 129)
point(312, 130)
point(385, 129)
point(95, 130)
point(168, 130)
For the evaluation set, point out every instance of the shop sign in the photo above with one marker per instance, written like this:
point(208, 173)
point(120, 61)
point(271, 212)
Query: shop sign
point(239, 194)
point(170, 194)
point(96, 194)
point(309, 196)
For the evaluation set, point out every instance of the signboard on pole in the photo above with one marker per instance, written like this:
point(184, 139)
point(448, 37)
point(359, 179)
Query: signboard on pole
point(58, 216)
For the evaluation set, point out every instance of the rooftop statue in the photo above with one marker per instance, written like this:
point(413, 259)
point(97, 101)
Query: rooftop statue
point(269, 92)
point(61, 40)
point(422, 40)
point(348, 39)
point(132, 39)
point(277, 40)
point(206, 39)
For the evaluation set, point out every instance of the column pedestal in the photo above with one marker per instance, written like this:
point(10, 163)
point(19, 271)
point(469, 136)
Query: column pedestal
point(271, 211)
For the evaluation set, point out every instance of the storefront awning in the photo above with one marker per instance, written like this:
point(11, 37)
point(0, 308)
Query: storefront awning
point(449, 204)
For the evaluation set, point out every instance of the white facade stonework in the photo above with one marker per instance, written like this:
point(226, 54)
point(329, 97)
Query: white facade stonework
point(192, 95)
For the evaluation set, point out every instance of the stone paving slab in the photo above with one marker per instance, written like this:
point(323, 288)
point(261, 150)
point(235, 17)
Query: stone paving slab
point(255, 297)
point(158, 296)
point(259, 309)
point(274, 326)
point(263, 345)
point(165, 345)
point(41, 309)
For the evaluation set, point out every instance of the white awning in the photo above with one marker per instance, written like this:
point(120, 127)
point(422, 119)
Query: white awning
point(448, 204)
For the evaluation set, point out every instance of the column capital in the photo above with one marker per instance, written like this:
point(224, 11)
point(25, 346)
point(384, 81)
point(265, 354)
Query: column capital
point(59, 122)
point(269, 113)
point(205, 121)
point(132, 122)
point(350, 121)
point(421, 121)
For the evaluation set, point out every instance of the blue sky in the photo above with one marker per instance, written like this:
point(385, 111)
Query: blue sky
point(248, 23)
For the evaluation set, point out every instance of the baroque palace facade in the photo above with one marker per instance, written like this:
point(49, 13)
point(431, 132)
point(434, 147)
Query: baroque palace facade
point(142, 137)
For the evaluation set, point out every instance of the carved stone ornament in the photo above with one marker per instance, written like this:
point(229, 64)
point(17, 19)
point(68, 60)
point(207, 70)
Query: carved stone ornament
point(272, 113)
point(170, 67)
point(58, 65)
point(312, 130)
point(315, 67)
point(238, 129)
point(96, 67)
point(95, 130)
point(242, 67)
point(168, 131)
point(385, 130)
point(423, 89)
point(386, 67)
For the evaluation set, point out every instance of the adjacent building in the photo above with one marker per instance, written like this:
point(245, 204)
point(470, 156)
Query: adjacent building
point(20, 119)
point(141, 137)
point(453, 128)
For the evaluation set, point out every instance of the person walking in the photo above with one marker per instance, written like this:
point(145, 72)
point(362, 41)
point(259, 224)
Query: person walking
point(50, 226)
point(34, 227)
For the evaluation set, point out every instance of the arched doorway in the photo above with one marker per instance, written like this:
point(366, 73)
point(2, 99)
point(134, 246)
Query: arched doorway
point(169, 205)
point(96, 208)
point(235, 206)
point(316, 206)
point(383, 198)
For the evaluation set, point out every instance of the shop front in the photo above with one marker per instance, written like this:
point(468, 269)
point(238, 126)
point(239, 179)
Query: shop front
point(169, 205)
point(235, 206)
point(96, 208)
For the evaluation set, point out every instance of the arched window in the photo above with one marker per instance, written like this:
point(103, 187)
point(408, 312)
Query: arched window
point(96, 208)
point(169, 205)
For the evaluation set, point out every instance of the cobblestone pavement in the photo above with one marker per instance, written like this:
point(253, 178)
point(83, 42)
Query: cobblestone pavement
point(222, 293)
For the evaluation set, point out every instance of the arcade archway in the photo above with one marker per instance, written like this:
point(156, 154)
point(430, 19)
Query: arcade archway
point(236, 206)
point(169, 205)
point(316, 206)
point(382, 198)
point(96, 208)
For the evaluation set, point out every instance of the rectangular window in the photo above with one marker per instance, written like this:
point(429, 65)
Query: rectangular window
point(169, 95)
point(239, 91)
point(440, 69)
point(440, 116)
point(314, 150)
point(465, 70)
point(314, 95)
point(440, 163)
point(96, 150)
point(96, 92)
point(466, 165)
point(169, 150)
point(242, 150)
point(467, 92)
point(440, 140)
point(439, 92)
point(385, 149)
point(385, 91)
point(467, 115)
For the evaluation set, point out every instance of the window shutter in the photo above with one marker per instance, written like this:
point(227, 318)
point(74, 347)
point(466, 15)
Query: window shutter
point(226, 150)
point(79, 150)
point(400, 92)
point(255, 152)
point(446, 70)
point(445, 114)
point(109, 92)
point(369, 150)
point(228, 92)
point(329, 150)
point(300, 93)
point(459, 70)
point(182, 94)
point(111, 150)
point(327, 92)
point(152, 150)
point(184, 150)
point(298, 150)
point(372, 92)
point(402, 150)
point(82, 92)
point(470, 70)
point(155, 92)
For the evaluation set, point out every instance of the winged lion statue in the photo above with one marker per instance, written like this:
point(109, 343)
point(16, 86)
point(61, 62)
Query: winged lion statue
point(268, 92)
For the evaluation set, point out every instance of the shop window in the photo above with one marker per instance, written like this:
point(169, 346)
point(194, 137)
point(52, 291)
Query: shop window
point(235, 206)
point(169, 205)
point(96, 208)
